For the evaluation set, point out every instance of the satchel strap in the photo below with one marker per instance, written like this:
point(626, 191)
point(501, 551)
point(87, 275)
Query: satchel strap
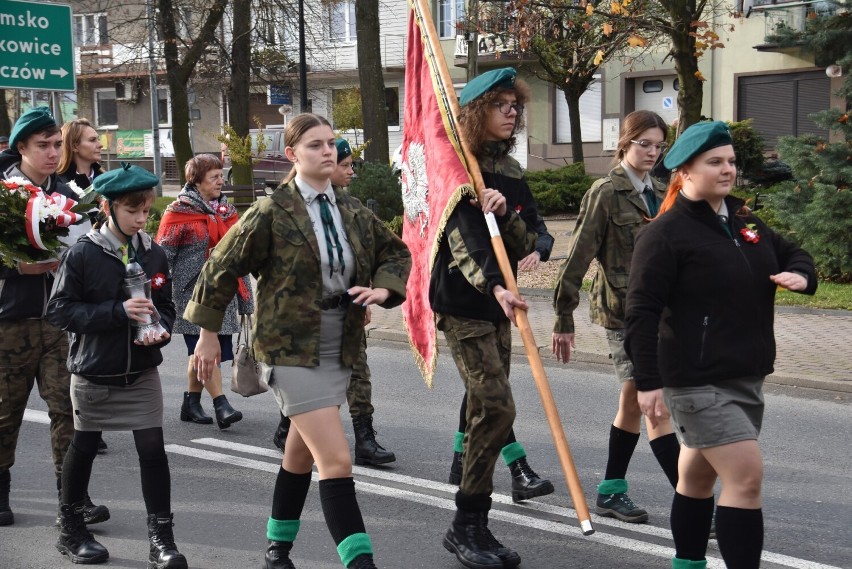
point(245, 329)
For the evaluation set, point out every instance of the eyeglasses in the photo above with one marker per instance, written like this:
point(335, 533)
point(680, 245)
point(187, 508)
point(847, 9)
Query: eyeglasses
point(647, 144)
point(507, 108)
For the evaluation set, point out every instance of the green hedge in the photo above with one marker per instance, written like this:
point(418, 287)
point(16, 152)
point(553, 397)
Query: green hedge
point(559, 190)
point(378, 182)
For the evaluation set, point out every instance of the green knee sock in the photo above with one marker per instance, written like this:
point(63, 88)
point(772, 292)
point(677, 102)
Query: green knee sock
point(614, 486)
point(512, 452)
point(353, 546)
point(282, 530)
point(688, 563)
point(458, 442)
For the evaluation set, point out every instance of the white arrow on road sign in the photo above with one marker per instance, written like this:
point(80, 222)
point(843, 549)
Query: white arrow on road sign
point(61, 72)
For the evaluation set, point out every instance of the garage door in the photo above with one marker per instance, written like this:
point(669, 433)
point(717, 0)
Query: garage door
point(658, 94)
point(780, 104)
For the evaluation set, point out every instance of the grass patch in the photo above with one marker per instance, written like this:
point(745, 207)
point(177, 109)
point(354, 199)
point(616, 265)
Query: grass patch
point(828, 296)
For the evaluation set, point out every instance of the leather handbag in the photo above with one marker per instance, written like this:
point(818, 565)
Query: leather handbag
point(245, 375)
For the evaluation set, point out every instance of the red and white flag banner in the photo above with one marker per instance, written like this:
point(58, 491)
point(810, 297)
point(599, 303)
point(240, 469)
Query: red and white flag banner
point(434, 179)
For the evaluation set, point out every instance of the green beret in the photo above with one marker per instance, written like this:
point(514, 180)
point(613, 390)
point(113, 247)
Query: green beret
point(124, 180)
point(343, 149)
point(481, 84)
point(698, 138)
point(33, 120)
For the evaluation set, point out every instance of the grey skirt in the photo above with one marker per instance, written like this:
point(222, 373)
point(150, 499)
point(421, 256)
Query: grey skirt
point(118, 408)
point(303, 389)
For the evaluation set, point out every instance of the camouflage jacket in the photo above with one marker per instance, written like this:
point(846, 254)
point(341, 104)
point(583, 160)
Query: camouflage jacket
point(611, 213)
point(465, 269)
point(275, 241)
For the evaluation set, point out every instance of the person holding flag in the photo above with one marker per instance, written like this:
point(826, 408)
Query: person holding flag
point(474, 309)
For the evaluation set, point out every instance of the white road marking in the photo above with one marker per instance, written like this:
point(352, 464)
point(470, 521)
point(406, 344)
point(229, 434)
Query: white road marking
point(559, 528)
point(510, 517)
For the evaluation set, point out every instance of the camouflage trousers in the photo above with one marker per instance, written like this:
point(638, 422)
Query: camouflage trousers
point(482, 352)
point(34, 351)
point(360, 391)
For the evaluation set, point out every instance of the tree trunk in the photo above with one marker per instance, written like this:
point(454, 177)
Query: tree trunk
point(5, 123)
point(178, 73)
point(690, 96)
point(238, 90)
point(573, 100)
point(372, 81)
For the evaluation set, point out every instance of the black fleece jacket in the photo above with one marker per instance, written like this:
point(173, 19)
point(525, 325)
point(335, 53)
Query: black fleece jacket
point(700, 305)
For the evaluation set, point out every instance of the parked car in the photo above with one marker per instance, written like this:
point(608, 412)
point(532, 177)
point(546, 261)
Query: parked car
point(271, 164)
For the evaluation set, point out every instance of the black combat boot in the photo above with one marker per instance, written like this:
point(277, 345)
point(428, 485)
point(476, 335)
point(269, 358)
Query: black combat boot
point(367, 450)
point(75, 541)
point(163, 553)
point(92, 514)
point(467, 539)
point(526, 483)
point(456, 468)
point(363, 561)
point(508, 556)
point(278, 555)
point(279, 439)
point(191, 410)
point(7, 518)
point(225, 414)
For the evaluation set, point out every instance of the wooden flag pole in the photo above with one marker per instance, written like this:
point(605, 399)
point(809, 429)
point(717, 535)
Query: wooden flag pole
point(569, 469)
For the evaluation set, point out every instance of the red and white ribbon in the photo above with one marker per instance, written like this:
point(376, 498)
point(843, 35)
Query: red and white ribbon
point(62, 214)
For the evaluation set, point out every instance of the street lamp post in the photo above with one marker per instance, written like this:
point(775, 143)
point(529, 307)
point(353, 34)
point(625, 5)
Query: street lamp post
point(303, 75)
point(155, 111)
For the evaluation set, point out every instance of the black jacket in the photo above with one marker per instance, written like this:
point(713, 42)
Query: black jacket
point(82, 180)
point(700, 305)
point(25, 296)
point(87, 301)
point(465, 273)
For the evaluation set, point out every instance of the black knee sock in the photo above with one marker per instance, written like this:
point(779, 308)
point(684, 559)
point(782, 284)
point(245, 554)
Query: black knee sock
point(156, 484)
point(511, 438)
point(76, 471)
point(690, 522)
point(340, 508)
point(463, 414)
point(667, 451)
point(621, 447)
point(740, 536)
point(291, 490)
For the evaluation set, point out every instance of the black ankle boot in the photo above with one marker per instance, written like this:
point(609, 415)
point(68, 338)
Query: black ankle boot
point(456, 468)
point(508, 556)
point(191, 410)
point(280, 437)
point(75, 541)
point(225, 414)
point(7, 518)
point(367, 450)
point(163, 552)
point(466, 539)
point(278, 555)
point(526, 483)
point(363, 561)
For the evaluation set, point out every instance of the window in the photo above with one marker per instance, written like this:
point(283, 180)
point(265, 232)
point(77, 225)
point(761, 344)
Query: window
point(90, 29)
point(449, 12)
point(346, 107)
point(164, 109)
point(653, 86)
point(590, 115)
point(106, 109)
point(342, 20)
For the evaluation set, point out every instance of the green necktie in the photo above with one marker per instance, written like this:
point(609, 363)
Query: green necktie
point(651, 201)
point(331, 239)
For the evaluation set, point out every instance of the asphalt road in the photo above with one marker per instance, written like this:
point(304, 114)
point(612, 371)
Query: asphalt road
point(222, 480)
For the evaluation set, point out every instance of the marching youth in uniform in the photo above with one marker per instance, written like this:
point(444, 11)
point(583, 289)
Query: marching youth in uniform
point(320, 258)
point(700, 307)
point(115, 384)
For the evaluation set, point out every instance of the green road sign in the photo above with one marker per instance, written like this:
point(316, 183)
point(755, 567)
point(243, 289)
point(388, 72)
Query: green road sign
point(36, 47)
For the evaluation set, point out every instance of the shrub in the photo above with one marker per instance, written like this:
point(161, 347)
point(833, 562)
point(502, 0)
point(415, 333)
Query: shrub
point(395, 225)
point(748, 146)
point(559, 190)
point(376, 181)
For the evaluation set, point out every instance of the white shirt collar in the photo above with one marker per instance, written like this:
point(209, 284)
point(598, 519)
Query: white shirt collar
point(309, 193)
point(638, 184)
